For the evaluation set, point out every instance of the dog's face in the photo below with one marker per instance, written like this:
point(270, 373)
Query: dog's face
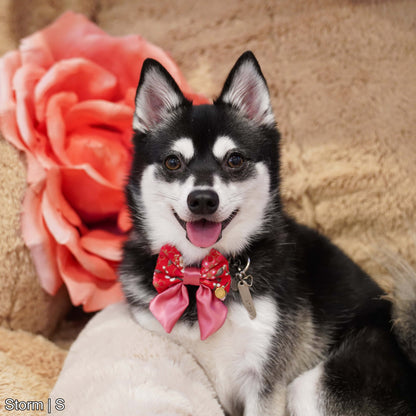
point(203, 176)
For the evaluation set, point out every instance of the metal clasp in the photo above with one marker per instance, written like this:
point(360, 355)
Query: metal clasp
point(241, 275)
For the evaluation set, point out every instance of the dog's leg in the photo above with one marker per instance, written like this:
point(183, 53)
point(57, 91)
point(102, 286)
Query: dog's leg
point(304, 393)
point(273, 404)
point(366, 375)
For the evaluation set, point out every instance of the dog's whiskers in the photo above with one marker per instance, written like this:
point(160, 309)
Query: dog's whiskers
point(170, 197)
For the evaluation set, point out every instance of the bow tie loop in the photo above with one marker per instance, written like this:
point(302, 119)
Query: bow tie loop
point(192, 276)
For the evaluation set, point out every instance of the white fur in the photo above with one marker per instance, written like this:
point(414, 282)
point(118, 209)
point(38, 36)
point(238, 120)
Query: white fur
point(233, 357)
point(185, 147)
point(304, 393)
point(160, 198)
point(248, 92)
point(155, 86)
point(222, 146)
point(251, 197)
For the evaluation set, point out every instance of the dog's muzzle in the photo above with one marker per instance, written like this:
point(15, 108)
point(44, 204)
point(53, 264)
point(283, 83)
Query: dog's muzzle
point(203, 232)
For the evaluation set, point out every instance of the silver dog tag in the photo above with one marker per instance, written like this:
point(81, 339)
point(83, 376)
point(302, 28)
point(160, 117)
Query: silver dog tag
point(246, 298)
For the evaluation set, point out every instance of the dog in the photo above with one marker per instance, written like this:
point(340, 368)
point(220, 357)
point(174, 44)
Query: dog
point(281, 320)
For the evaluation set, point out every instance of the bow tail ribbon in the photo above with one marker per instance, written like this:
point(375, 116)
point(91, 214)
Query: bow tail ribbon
point(168, 306)
point(211, 311)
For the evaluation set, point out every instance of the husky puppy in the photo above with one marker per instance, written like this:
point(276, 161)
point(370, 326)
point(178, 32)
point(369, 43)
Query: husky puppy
point(299, 329)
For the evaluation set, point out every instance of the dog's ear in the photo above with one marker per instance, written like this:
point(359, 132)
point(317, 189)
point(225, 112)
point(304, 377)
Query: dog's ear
point(246, 90)
point(157, 96)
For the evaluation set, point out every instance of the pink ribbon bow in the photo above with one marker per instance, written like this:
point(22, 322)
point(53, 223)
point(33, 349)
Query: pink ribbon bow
point(170, 279)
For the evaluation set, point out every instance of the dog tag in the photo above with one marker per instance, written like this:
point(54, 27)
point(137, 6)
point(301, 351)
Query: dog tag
point(246, 298)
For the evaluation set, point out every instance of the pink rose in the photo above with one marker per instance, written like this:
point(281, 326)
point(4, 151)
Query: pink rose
point(66, 100)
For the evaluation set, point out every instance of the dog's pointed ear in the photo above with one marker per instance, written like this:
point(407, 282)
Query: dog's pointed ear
point(157, 96)
point(246, 90)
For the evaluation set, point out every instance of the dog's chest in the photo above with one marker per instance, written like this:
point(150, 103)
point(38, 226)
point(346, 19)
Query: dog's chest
point(235, 356)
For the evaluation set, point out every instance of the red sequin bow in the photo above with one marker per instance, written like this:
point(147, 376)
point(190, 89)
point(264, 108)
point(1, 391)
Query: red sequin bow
point(170, 279)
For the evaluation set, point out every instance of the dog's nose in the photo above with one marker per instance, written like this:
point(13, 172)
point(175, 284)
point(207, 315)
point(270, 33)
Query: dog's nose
point(203, 202)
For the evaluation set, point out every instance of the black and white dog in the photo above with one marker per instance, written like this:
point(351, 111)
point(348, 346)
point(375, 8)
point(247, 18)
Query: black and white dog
point(291, 326)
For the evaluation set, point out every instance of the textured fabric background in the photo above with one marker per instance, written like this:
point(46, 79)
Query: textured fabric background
point(343, 85)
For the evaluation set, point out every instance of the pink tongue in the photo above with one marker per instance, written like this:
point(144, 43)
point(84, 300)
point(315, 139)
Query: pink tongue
point(203, 233)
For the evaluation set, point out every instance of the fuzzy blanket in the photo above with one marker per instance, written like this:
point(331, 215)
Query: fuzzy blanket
point(343, 87)
point(117, 368)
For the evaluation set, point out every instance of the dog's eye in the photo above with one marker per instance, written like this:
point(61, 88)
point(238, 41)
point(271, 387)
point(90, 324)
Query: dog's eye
point(172, 162)
point(235, 160)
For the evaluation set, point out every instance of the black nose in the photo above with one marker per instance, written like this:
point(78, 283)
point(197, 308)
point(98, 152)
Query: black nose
point(203, 202)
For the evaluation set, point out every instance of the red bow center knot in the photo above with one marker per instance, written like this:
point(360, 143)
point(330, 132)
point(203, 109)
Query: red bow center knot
point(170, 279)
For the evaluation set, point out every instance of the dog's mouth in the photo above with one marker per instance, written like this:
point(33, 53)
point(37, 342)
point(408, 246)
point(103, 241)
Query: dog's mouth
point(204, 233)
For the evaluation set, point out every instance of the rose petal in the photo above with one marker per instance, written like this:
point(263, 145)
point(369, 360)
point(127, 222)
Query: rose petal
point(104, 244)
point(84, 78)
point(124, 221)
point(102, 150)
point(43, 151)
point(54, 190)
point(92, 196)
point(62, 231)
point(66, 234)
point(197, 99)
point(36, 51)
point(99, 113)
point(24, 82)
point(63, 39)
point(83, 288)
point(77, 280)
point(92, 263)
point(40, 242)
point(104, 294)
point(129, 97)
point(36, 174)
point(122, 56)
point(57, 107)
